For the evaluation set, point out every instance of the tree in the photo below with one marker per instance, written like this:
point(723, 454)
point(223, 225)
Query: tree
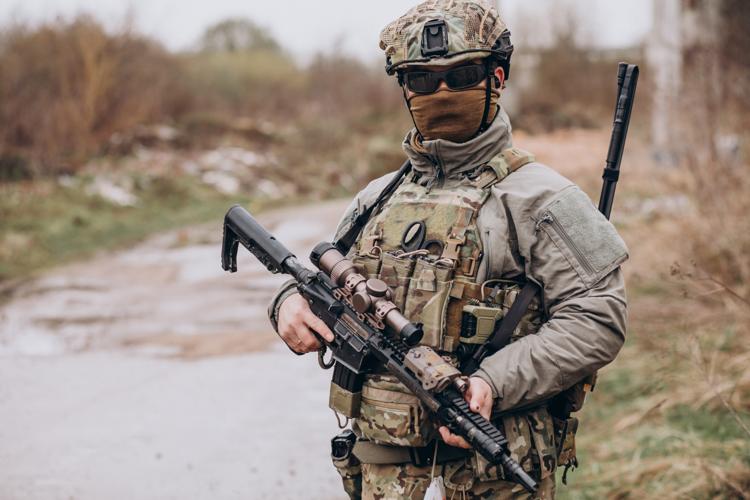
point(237, 35)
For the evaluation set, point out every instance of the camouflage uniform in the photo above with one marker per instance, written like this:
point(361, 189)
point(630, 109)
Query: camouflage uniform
point(410, 482)
point(496, 217)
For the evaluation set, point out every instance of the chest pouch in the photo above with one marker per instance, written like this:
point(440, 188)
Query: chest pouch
point(368, 265)
point(427, 299)
point(396, 273)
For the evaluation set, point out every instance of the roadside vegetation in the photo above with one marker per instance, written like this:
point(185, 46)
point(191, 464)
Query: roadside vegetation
point(671, 417)
point(108, 137)
point(46, 223)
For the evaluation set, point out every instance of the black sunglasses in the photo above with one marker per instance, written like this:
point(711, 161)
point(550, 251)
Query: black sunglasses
point(427, 82)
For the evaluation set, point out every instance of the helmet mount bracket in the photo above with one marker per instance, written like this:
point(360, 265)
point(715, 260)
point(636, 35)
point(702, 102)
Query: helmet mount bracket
point(435, 38)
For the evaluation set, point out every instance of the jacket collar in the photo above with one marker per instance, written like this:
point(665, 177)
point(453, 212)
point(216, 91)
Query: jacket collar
point(439, 158)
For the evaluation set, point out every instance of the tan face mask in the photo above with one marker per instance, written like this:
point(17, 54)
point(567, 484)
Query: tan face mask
point(455, 116)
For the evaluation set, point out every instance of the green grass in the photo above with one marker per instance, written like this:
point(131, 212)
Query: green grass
point(707, 424)
point(45, 224)
point(650, 430)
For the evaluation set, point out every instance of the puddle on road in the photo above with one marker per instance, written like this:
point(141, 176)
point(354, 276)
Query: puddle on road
point(166, 297)
point(192, 347)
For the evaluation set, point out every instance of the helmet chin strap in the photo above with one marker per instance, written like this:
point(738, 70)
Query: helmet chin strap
point(487, 100)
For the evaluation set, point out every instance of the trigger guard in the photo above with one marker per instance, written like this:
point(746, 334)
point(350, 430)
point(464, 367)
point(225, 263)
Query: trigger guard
point(326, 365)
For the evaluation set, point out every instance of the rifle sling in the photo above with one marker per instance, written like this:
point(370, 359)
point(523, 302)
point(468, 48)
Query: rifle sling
point(345, 243)
point(510, 321)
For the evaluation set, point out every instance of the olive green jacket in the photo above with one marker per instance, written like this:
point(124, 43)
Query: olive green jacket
point(540, 225)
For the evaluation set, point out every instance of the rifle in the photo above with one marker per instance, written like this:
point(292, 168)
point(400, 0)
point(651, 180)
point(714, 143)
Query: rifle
point(369, 331)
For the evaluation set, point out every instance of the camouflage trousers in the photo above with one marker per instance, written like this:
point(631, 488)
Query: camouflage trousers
point(408, 482)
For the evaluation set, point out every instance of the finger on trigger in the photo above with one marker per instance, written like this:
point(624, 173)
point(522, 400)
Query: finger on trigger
point(446, 435)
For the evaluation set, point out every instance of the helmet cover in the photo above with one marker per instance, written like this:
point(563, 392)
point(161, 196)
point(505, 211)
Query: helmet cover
point(443, 32)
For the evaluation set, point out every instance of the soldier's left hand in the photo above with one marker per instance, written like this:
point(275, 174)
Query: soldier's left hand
point(479, 397)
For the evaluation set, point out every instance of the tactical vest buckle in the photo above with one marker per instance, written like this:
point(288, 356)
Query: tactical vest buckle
point(452, 246)
point(422, 456)
point(371, 242)
point(469, 266)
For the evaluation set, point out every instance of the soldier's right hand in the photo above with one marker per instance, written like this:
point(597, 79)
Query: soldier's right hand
point(296, 324)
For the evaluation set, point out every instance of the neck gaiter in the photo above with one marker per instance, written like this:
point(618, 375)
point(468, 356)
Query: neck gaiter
point(455, 116)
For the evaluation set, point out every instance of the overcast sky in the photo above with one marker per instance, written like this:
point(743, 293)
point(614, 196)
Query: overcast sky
point(308, 26)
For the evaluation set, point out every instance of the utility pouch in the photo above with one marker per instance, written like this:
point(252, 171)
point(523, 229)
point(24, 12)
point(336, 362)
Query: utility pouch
point(531, 443)
point(367, 265)
point(427, 300)
point(565, 441)
point(570, 400)
point(390, 414)
point(395, 273)
point(347, 464)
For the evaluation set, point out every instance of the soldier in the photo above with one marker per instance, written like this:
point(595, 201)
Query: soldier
point(470, 223)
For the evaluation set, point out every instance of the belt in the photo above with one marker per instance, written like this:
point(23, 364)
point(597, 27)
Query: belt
point(372, 453)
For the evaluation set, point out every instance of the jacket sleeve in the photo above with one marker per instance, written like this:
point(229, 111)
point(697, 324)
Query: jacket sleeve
point(575, 254)
point(363, 199)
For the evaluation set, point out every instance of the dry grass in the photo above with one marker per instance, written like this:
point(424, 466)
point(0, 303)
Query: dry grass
point(715, 129)
point(669, 417)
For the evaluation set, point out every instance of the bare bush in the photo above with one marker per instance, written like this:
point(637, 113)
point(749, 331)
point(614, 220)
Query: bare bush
point(571, 83)
point(347, 88)
point(260, 83)
point(67, 87)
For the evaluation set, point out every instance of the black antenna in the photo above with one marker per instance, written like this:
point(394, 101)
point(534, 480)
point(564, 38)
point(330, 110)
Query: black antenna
point(627, 80)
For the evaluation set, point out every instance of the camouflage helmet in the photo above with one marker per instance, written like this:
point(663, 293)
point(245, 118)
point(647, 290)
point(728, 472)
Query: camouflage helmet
point(444, 32)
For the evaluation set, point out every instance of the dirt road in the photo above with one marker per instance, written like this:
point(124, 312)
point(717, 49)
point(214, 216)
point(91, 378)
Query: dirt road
point(152, 374)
